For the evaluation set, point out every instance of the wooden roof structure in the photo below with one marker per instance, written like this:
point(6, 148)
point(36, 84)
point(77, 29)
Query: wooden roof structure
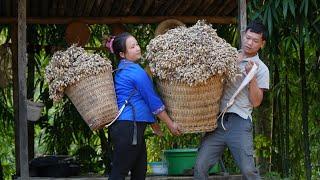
point(20, 13)
point(120, 11)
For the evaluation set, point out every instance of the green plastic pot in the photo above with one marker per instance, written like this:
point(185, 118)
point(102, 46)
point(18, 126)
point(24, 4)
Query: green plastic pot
point(181, 161)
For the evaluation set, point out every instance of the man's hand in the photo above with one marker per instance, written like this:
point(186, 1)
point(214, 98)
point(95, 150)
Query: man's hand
point(249, 65)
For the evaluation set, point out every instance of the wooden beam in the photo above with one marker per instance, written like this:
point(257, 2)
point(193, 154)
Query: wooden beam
point(22, 51)
point(7, 20)
point(123, 20)
point(242, 18)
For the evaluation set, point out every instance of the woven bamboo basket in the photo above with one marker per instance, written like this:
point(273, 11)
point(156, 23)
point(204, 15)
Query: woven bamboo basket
point(95, 99)
point(194, 108)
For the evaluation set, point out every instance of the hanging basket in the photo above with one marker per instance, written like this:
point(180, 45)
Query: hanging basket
point(164, 26)
point(194, 108)
point(77, 33)
point(34, 110)
point(95, 99)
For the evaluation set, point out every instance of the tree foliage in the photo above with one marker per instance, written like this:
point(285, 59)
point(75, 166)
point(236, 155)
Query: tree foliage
point(292, 53)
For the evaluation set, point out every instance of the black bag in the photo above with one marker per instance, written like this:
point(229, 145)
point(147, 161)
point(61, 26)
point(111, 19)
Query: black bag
point(54, 166)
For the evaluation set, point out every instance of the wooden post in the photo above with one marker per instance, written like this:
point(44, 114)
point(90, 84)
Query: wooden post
point(14, 49)
point(242, 18)
point(22, 50)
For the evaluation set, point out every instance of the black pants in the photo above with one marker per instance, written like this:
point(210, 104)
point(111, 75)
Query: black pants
point(128, 157)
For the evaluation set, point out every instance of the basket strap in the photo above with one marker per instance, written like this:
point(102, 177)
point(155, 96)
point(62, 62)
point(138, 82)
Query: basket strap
point(121, 68)
point(126, 102)
point(246, 81)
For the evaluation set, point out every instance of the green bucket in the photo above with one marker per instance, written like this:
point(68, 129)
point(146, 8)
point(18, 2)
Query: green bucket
point(181, 161)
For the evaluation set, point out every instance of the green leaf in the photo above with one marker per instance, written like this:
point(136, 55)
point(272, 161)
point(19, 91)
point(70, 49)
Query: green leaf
point(314, 2)
point(277, 3)
point(269, 21)
point(287, 43)
point(274, 14)
point(292, 7)
point(285, 8)
point(265, 15)
point(304, 7)
point(317, 19)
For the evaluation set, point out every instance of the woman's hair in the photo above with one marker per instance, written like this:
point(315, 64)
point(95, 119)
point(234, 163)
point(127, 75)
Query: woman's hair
point(117, 44)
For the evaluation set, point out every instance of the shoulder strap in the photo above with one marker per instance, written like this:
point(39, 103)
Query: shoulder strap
point(131, 94)
point(122, 107)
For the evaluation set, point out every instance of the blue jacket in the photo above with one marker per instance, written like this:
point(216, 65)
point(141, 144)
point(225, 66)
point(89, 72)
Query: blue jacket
point(131, 78)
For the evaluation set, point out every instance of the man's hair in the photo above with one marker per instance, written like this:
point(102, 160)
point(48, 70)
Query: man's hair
point(256, 26)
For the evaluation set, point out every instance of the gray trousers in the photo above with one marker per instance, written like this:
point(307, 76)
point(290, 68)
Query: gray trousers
point(237, 137)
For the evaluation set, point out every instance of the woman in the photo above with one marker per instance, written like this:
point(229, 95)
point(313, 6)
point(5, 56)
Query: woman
point(134, 90)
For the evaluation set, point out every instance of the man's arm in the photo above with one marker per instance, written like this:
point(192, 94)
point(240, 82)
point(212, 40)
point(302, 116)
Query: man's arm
point(255, 93)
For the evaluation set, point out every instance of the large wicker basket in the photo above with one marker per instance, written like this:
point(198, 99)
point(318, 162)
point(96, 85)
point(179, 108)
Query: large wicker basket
point(194, 108)
point(95, 99)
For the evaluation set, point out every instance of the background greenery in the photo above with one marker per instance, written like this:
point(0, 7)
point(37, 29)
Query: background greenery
point(286, 124)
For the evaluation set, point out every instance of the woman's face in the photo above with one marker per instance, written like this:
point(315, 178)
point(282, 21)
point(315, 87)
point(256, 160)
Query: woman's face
point(133, 51)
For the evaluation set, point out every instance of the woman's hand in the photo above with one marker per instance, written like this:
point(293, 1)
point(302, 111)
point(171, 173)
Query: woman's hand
point(156, 129)
point(174, 128)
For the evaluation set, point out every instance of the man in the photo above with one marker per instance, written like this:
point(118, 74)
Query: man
point(235, 130)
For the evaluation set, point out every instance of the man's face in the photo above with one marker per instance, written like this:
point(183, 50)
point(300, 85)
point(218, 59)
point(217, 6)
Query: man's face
point(251, 43)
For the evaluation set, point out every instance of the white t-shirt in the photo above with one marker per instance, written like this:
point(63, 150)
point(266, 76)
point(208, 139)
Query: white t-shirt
point(242, 105)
